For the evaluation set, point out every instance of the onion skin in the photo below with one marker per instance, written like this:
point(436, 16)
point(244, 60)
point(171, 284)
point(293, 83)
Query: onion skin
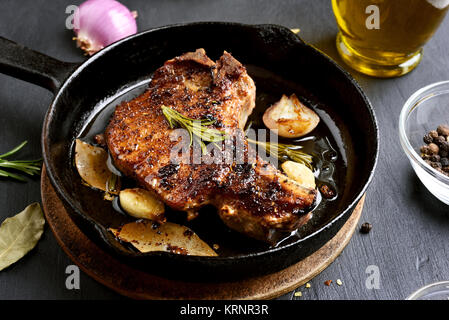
point(102, 22)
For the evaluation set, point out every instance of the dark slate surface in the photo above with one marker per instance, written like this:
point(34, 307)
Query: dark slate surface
point(410, 238)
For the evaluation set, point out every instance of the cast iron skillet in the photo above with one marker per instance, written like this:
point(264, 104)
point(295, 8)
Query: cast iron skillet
point(81, 90)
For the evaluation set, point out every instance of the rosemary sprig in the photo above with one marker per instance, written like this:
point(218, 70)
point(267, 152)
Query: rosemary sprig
point(29, 167)
point(197, 129)
point(282, 151)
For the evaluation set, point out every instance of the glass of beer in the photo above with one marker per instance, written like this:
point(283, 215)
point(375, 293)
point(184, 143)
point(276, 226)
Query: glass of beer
point(384, 38)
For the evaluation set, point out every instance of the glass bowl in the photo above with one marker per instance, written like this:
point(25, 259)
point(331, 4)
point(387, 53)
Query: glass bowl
point(434, 291)
point(425, 110)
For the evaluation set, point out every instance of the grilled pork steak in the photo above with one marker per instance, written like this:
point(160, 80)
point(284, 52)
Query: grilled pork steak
point(252, 197)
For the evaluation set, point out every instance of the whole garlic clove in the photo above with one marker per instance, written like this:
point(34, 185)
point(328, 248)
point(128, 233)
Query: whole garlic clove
point(299, 173)
point(290, 117)
point(142, 204)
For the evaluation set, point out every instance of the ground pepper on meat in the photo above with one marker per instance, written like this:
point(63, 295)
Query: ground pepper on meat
point(166, 172)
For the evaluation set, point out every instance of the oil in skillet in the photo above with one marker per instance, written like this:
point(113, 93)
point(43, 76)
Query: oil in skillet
point(329, 160)
point(329, 163)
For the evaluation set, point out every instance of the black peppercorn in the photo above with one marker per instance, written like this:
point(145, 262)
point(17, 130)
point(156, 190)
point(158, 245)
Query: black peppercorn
point(433, 134)
point(425, 150)
point(434, 158)
point(444, 162)
point(439, 140)
point(428, 139)
point(436, 165)
point(434, 149)
point(443, 130)
point(444, 145)
point(366, 227)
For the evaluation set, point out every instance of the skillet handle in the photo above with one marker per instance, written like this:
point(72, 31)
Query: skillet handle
point(31, 66)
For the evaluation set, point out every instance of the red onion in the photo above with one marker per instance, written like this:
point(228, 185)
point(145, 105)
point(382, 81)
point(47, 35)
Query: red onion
point(99, 23)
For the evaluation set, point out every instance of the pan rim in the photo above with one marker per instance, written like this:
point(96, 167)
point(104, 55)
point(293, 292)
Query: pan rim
point(274, 250)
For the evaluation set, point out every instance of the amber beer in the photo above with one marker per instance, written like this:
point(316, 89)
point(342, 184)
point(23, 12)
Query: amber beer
point(385, 37)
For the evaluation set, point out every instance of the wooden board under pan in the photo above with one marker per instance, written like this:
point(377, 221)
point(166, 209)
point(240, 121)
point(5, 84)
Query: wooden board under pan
point(130, 282)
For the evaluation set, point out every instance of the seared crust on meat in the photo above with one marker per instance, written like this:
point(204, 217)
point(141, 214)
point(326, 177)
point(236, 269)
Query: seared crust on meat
point(254, 197)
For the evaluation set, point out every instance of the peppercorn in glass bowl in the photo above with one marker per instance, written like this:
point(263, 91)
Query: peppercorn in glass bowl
point(425, 111)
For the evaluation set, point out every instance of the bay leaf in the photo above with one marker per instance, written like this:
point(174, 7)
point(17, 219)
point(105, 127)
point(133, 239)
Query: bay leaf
point(146, 236)
point(20, 234)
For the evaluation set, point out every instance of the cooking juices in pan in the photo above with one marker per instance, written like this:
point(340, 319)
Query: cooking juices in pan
point(324, 143)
